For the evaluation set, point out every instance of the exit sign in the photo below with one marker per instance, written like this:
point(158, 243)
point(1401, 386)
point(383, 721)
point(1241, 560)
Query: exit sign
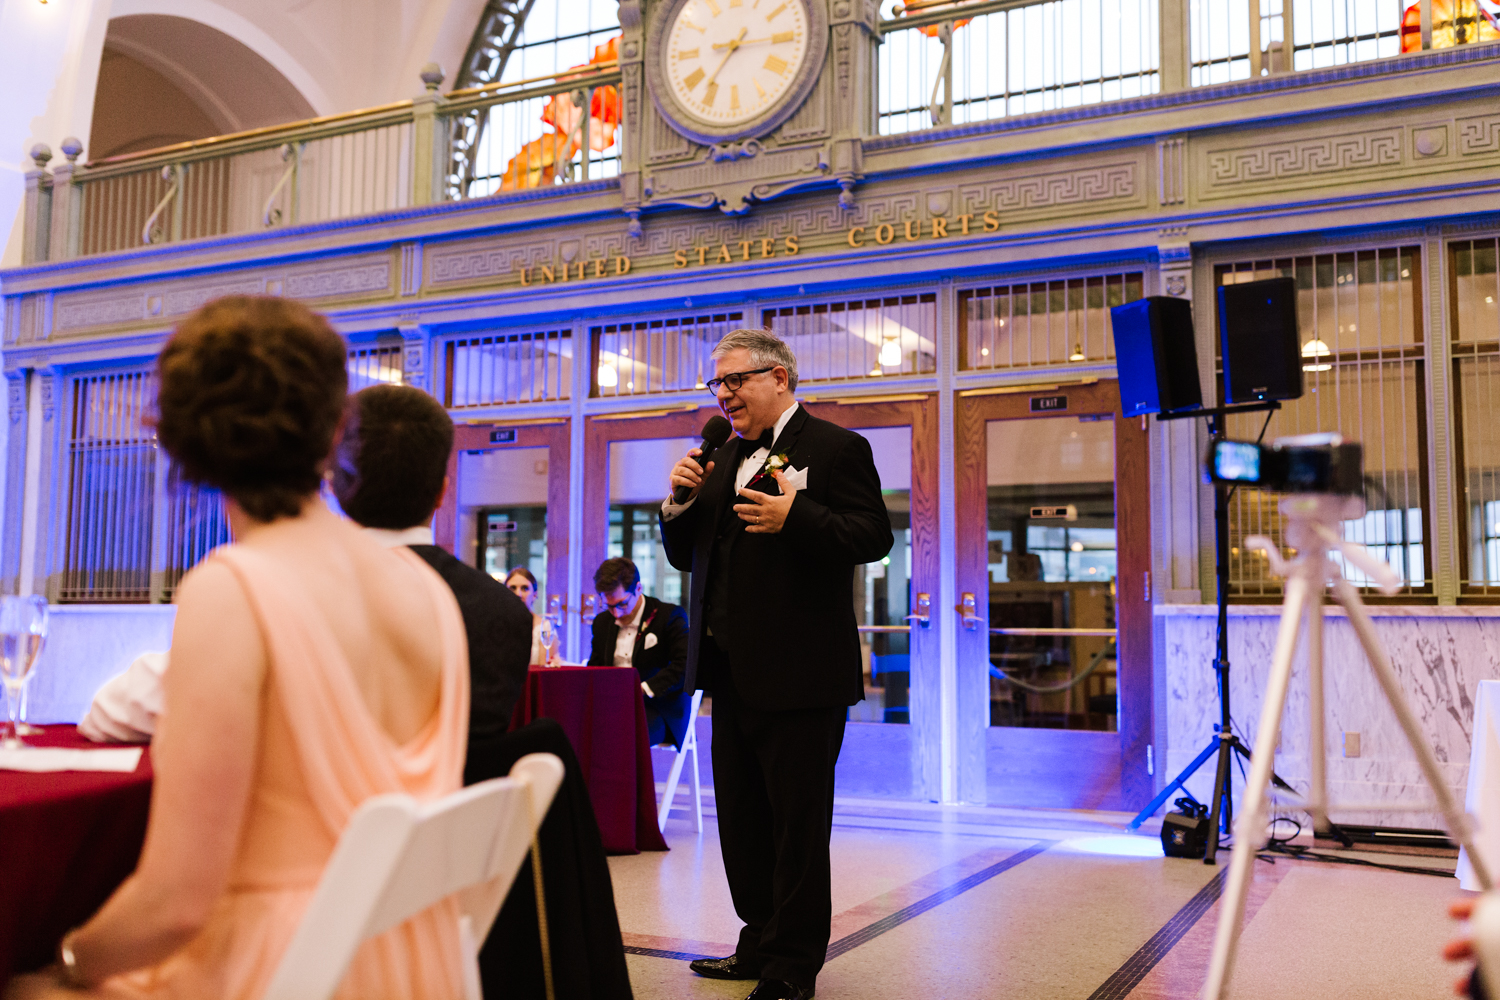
point(506, 436)
point(1042, 404)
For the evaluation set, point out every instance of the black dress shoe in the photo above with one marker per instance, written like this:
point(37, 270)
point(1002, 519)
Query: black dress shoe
point(776, 989)
point(729, 967)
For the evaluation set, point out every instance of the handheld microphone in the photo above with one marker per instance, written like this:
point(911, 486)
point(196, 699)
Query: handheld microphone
point(715, 432)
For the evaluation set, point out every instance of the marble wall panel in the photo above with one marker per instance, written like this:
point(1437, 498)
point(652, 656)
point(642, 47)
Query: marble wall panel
point(1439, 654)
point(87, 645)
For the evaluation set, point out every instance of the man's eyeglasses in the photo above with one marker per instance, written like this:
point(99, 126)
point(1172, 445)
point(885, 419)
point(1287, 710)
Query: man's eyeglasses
point(621, 605)
point(734, 380)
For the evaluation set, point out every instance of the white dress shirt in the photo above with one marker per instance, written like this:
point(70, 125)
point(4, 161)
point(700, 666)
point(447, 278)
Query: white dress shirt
point(391, 538)
point(629, 629)
point(749, 466)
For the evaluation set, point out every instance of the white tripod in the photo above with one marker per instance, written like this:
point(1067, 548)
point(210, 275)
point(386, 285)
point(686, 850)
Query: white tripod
point(1313, 530)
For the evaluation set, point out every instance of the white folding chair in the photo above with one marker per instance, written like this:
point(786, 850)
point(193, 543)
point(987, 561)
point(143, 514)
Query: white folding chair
point(399, 857)
point(689, 745)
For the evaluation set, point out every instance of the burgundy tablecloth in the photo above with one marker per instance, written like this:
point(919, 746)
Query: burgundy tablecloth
point(67, 839)
point(601, 710)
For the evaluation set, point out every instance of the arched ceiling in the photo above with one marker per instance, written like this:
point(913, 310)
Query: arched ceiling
point(169, 79)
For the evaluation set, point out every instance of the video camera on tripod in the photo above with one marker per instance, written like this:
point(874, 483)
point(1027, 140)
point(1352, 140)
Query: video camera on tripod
point(1311, 463)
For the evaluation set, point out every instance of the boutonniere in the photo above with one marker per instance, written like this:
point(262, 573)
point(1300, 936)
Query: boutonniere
point(777, 462)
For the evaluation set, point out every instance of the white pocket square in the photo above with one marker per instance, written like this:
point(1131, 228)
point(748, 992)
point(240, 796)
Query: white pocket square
point(650, 640)
point(795, 478)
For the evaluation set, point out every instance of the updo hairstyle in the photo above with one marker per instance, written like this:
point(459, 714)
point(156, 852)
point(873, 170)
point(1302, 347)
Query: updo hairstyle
point(250, 394)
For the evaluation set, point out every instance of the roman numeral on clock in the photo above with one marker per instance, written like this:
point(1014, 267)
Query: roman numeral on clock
point(709, 93)
point(694, 78)
point(776, 65)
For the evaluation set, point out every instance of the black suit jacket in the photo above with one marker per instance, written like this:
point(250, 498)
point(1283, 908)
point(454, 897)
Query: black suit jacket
point(792, 640)
point(663, 666)
point(498, 627)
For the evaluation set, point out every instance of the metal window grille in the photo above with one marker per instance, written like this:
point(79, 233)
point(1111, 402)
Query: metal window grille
point(513, 143)
point(660, 355)
point(836, 341)
point(1361, 330)
point(1475, 293)
point(1238, 39)
point(111, 485)
point(375, 366)
point(196, 524)
point(113, 509)
point(509, 368)
point(1042, 322)
point(1335, 32)
point(1056, 54)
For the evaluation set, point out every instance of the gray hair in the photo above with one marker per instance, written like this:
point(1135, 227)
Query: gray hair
point(766, 350)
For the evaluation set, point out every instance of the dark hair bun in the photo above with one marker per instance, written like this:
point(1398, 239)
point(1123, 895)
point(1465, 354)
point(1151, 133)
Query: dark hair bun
point(249, 398)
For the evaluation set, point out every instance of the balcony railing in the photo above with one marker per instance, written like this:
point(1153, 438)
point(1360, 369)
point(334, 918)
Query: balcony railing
point(940, 63)
point(472, 143)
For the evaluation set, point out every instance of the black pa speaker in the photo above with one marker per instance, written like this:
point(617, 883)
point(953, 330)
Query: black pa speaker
point(1155, 356)
point(1258, 339)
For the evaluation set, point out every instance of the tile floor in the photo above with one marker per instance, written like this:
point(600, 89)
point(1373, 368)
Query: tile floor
point(988, 902)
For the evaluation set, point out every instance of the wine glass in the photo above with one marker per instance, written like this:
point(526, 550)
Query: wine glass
point(23, 626)
point(21, 727)
point(547, 637)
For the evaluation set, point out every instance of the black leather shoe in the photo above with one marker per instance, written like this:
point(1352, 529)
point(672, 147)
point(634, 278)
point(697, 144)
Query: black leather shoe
point(729, 967)
point(776, 989)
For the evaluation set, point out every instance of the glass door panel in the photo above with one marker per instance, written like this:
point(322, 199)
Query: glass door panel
point(638, 473)
point(1052, 566)
point(882, 589)
point(502, 513)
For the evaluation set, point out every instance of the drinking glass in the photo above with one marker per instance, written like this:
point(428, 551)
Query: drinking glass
point(21, 727)
point(23, 626)
point(548, 639)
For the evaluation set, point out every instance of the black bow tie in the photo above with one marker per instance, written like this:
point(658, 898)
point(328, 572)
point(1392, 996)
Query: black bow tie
point(764, 441)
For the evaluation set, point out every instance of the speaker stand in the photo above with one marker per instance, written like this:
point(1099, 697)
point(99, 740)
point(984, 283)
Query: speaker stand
point(1223, 743)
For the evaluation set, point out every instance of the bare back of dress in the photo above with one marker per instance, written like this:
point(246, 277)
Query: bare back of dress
point(322, 753)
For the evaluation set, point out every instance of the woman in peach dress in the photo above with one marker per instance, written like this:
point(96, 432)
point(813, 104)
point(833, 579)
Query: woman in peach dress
point(311, 669)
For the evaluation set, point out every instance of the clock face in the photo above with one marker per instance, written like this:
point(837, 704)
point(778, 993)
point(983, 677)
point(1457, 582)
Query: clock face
point(730, 62)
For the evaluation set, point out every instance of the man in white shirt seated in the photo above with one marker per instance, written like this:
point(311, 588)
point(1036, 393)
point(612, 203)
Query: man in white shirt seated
point(126, 708)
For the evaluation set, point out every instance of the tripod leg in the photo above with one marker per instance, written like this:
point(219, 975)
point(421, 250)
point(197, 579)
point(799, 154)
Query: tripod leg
point(1318, 747)
point(1222, 777)
point(1250, 830)
point(1458, 825)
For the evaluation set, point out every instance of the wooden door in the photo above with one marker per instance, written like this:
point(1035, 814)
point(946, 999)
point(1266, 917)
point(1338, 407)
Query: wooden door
point(1041, 610)
point(456, 525)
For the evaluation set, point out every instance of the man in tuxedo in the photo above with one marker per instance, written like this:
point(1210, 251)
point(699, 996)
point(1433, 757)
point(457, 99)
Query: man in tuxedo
point(390, 476)
point(638, 631)
point(772, 530)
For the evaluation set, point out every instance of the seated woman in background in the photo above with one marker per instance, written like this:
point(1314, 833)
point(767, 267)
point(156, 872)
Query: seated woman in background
point(523, 585)
point(312, 668)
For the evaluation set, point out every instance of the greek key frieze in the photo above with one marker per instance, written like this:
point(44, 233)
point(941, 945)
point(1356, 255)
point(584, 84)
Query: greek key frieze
point(1479, 135)
point(80, 315)
point(185, 300)
point(1304, 159)
point(488, 262)
point(1112, 182)
point(340, 281)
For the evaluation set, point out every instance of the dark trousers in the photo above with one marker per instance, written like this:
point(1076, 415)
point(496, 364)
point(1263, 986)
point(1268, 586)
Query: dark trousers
point(588, 955)
point(773, 787)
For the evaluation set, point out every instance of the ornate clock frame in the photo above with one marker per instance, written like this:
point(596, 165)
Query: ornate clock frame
point(812, 139)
